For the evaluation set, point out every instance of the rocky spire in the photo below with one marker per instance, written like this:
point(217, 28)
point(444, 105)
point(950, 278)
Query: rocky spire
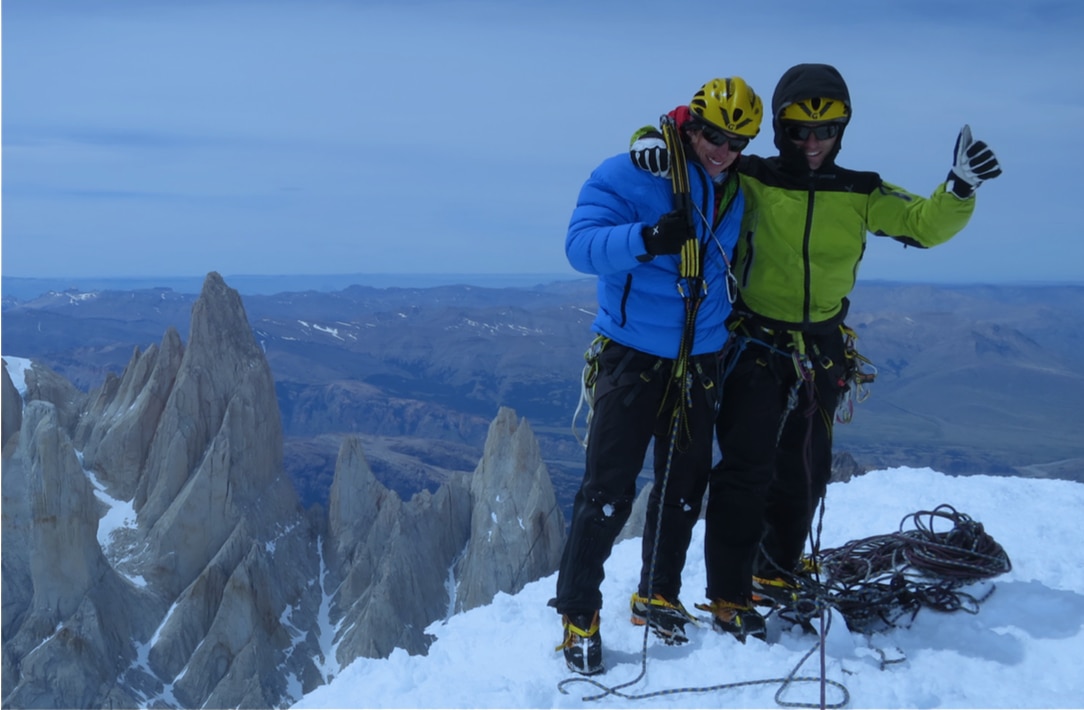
point(225, 538)
point(356, 503)
point(517, 528)
point(396, 567)
point(67, 614)
point(45, 385)
point(216, 454)
point(217, 600)
point(389, 561)
point(122, 416)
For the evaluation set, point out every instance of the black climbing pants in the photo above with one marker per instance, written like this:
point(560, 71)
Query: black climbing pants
point(635, 398)
point(775, 433)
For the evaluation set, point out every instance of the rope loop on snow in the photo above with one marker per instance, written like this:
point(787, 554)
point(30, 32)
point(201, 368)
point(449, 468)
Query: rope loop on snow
point(874, 583)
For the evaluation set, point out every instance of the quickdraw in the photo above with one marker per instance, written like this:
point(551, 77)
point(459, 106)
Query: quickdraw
point(587, 387)
point(803, 370)
point(860, 375)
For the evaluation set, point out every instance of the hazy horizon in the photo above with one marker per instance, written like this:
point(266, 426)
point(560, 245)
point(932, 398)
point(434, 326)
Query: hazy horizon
point(26, 287)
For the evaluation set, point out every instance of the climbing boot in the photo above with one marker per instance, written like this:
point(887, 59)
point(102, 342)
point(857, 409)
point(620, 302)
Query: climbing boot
point(775, 591)
point(739, 620)
point(666, 619)
point(772, 588)
point(582, 643)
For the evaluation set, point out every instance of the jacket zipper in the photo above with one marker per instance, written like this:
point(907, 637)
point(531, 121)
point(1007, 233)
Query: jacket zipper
point(807, 303)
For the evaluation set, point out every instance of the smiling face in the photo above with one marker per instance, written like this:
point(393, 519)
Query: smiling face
point(715, 158)
point(816, 140)
point(816, 150)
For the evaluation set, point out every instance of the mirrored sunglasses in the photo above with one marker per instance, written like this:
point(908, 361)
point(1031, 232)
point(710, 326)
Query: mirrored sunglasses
point(716, 137)
point(801, 131)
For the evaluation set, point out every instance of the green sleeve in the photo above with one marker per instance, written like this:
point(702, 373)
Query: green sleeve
point(643, 131)
point(895, 212)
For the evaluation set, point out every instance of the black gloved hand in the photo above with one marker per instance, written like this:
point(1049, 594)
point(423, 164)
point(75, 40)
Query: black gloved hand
point(668, 235)
point(648, 152)
point(973, 163)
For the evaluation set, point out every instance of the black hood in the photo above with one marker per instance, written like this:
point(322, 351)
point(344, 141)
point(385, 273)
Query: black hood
point(805, 81)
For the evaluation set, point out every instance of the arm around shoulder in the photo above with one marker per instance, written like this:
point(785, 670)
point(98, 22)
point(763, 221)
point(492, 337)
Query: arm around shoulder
point(605, 231)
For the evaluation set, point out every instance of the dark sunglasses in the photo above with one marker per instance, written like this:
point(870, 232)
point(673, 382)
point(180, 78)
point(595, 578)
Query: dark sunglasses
point(716, 137)
point(800, 131)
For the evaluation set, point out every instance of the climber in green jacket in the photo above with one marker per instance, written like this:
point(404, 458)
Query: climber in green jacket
point(791, 357)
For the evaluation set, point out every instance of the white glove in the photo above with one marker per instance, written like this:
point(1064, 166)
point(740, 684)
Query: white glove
point(649, 153)
point(974, 163)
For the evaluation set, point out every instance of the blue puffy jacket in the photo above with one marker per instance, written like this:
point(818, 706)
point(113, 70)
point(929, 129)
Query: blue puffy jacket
point(639, 304)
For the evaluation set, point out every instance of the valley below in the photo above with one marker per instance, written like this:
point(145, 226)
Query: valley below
point(970, 379)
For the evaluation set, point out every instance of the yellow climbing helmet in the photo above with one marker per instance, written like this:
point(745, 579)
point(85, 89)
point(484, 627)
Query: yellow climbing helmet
point(730, 105)
point(816, 110)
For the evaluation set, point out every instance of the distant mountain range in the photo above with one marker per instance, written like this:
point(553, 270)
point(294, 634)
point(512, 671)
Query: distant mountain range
point(25, 288)
point(971, 379)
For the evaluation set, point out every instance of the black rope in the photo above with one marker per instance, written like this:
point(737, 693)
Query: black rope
point(882, 581)
point(785, 683)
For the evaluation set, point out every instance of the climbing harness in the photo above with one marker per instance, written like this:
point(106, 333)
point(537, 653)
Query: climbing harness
point(859, 371)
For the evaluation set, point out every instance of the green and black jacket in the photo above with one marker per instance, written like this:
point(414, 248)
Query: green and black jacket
point(804, 234)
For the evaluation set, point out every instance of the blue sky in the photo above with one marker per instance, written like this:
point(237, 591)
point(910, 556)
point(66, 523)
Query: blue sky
point(148, 138)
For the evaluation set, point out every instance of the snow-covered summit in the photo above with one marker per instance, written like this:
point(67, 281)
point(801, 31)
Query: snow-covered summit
point(1020, 650)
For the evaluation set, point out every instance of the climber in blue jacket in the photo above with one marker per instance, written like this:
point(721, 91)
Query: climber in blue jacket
point(662, 254)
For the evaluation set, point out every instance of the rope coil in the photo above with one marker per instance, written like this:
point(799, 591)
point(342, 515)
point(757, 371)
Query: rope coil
point(874, 581)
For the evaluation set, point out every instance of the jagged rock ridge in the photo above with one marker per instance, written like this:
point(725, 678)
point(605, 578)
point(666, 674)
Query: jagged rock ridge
point(216, 589)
